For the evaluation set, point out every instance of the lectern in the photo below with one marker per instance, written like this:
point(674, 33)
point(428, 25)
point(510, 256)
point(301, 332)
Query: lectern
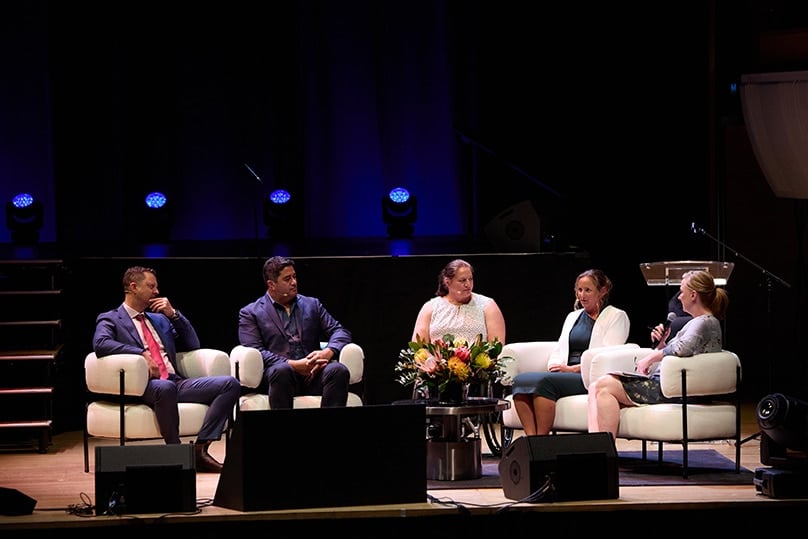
point(670, 273)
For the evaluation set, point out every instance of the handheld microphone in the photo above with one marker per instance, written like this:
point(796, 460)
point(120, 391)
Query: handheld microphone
point(665, 325)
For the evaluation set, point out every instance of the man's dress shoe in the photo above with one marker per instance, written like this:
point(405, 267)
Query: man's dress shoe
point(204, 462)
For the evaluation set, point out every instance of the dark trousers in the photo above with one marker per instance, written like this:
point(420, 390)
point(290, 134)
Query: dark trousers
point(331, 383)
point(220, 393)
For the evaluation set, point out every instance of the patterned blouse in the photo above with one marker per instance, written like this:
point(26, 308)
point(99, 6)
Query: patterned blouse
point(466, 320)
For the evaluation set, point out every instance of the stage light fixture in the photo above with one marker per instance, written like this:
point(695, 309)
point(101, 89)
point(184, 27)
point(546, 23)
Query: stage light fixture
point(24, 219)
point(277, 214)
point(399, 212)
point(784, 419)
point(783, 423)
point(156, 218)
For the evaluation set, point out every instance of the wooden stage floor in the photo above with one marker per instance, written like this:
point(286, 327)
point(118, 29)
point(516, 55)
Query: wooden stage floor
point(61, 488)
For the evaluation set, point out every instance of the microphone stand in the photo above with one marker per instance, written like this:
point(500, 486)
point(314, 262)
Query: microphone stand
point(769, 278)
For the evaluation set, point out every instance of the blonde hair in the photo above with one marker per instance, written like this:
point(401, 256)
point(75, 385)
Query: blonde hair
point(711, 296)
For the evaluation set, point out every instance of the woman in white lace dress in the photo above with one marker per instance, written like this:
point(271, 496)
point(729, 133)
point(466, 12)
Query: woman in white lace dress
point(458, 310)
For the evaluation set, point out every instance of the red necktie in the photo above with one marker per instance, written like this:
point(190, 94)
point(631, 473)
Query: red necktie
point(154, 347)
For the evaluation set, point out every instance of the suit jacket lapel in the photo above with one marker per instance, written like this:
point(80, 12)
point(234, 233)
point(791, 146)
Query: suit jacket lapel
point(130, 326)
point(273, 314)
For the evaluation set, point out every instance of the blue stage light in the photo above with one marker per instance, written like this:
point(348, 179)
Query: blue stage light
point(156, 200)
point(280, 196)
point(399, 212)
point(22, 200)
point(278, 214)
point(24, 217)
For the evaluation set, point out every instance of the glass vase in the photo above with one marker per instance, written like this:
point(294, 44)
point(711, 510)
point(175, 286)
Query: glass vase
point(453, 393)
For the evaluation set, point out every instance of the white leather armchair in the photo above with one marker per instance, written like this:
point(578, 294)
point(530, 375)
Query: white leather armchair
point(571, 411)
point(116, 381)
point(708, 385)
point(247, 366)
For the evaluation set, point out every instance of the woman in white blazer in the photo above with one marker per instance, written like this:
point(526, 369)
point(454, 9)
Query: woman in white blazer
point(592, 323)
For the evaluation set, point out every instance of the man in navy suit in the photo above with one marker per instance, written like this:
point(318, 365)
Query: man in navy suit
point(128, 330)
point(287, 328)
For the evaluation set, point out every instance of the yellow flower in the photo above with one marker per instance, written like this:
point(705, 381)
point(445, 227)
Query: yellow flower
point(482, 361)
point(421, 355)
point(459, 368)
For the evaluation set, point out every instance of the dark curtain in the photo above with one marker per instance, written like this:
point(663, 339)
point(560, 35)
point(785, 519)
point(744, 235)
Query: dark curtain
point(337, 102)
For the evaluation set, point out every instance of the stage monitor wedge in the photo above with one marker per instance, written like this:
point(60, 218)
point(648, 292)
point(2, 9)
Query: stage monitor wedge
point(154, 478)
point(15, 503)
point(325, 457)
point(580, 466)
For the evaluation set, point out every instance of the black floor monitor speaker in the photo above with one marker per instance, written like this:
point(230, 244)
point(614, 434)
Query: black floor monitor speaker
point(560, 467)
point(325, 457)
point(145, 479)
point(14, 503)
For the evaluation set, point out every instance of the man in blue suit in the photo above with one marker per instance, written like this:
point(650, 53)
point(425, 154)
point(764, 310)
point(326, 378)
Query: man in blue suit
point(157, 335)
point(287, 328)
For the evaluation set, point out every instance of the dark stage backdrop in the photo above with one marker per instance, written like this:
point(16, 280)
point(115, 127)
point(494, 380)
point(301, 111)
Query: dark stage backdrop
point(474, 107)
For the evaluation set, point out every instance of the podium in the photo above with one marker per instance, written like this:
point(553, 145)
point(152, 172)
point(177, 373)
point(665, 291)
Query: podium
point(670, 273)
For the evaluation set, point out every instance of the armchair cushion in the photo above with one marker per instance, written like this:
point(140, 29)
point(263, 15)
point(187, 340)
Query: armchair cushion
point(707, 374)
point(529, 356)
point(246, 365)
point(102, 374)
point(596, 362)
point(203, 362)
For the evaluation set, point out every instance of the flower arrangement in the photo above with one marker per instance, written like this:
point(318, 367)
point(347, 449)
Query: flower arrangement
point(450, 359)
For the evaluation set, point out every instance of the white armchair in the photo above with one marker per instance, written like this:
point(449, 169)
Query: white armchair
point(115, 383)
point(707, 384)
point(248, 367)
point(571, 412)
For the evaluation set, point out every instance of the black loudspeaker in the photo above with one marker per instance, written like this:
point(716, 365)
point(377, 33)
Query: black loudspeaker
point(560, 468)
point(145, 479)
point(14, 503)
point(325, 457)
point(516, 229)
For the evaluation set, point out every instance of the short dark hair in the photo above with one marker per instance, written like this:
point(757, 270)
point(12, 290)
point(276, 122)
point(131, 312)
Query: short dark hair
point(274, 266)
point(135, 273)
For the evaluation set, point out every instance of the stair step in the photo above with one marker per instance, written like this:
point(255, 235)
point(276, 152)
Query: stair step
point(26, 391)
point(30, 292)
point(30, 355)
point(13, 323)
point(38, 424)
